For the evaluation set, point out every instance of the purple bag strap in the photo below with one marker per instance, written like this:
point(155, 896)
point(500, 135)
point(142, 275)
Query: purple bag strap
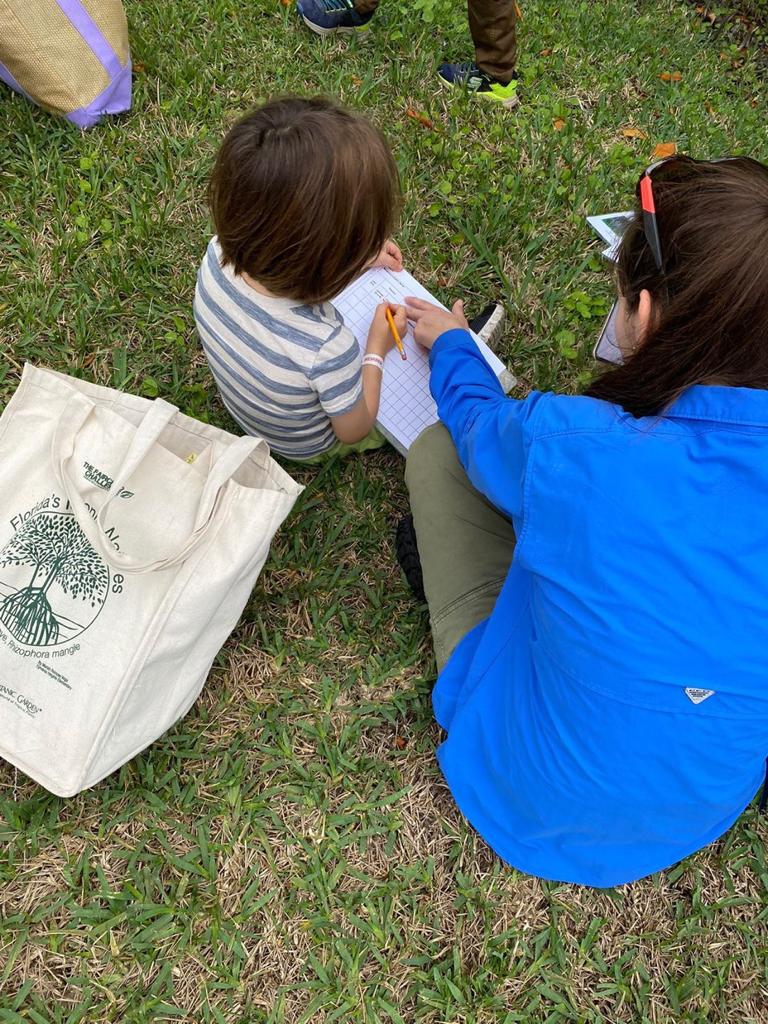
point(80, 19)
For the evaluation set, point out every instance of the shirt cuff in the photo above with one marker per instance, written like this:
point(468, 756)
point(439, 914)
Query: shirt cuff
point(457, 337)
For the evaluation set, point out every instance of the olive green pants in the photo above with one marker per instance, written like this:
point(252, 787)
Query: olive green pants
point(465, 543)
point(492, 24)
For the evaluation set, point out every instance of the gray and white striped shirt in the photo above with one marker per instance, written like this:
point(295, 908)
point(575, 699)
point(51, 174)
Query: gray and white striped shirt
point(282, 368)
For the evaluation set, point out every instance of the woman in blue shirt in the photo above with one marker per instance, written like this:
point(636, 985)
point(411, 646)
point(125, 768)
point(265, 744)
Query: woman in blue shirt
point(604, 688)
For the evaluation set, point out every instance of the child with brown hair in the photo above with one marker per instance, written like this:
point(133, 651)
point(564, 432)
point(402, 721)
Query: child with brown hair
point(304, 196)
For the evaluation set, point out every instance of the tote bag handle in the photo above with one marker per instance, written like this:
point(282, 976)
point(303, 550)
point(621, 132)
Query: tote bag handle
point(72, 420)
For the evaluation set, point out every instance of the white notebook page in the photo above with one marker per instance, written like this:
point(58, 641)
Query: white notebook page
point(406, 406)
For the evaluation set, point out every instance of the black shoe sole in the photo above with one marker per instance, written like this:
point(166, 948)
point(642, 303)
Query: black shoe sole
point(407, 554)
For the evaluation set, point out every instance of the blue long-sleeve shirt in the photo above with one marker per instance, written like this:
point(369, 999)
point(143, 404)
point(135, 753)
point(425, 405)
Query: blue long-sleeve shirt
point(583, 742)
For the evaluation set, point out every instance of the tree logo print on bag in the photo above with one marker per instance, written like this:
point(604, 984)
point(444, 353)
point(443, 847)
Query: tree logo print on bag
point(57, 583)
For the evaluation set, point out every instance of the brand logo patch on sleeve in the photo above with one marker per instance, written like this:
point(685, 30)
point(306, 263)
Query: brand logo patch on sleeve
point(693, 693)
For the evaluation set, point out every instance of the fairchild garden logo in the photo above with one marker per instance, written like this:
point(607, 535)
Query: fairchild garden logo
point(49, 573)
point(102, 480)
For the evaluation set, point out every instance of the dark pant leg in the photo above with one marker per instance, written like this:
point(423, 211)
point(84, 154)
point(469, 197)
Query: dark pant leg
point(492, 24)
point(465, 543)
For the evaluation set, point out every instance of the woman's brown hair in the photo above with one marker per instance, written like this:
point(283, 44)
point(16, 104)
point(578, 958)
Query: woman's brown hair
point(303, 196)
point(710, 297)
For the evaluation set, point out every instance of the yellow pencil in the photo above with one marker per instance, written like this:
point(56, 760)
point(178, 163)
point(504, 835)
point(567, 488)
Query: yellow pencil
point(395, 335)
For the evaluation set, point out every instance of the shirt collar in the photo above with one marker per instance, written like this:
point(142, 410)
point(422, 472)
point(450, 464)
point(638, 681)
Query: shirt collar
point(747, 406)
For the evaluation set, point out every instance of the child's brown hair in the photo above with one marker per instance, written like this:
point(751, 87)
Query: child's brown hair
point(303, 196)
point(710, 322)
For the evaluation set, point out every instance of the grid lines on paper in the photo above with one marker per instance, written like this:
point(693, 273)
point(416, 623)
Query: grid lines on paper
point(406, 406)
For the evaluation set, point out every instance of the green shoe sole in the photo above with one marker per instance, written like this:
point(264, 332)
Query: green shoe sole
point(505, 95)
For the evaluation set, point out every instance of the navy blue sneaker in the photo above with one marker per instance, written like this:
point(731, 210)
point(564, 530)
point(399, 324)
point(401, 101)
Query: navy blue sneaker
point(469, 76)
point(328, 16)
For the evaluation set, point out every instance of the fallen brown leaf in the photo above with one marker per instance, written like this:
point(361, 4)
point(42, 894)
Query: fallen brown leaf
point(633, 133)
point(558, 124)
point(663, 150)
point(670, 76)
point(401, 742)
point(421, 118)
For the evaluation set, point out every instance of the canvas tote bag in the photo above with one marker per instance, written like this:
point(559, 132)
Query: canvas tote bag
point(130, 539)
point(69, 56)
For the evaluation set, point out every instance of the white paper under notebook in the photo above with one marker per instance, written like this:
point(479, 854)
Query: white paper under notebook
point(406, 406)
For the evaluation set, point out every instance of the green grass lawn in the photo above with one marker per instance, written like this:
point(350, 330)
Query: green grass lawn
point(289, 852)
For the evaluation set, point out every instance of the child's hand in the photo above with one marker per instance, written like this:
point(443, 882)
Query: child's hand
point(430, 321)
point(390, 257)
point(380, 340)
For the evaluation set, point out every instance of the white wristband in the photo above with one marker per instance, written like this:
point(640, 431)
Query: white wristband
point(369, 359)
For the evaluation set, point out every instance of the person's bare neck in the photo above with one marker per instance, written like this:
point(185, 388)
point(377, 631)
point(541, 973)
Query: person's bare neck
point(253, 283)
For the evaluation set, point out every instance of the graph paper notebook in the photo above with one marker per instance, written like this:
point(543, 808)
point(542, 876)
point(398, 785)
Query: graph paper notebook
point(406, 406)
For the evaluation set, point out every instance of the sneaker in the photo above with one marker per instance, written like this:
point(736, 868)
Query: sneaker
point(325, 17)
point(407, 554)
point(487, 325)
point(469, 76)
